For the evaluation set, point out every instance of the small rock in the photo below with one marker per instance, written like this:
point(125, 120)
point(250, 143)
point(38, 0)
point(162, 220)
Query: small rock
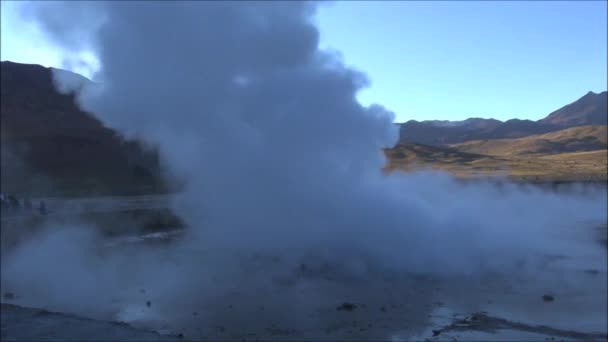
point(548, 298)
point(476, 317)
point(346, 307)
point(42, 312)
point(195, 313)
point(9, 296)
point(148, 304)
point(436, 332)
point(180, 335)
point(142, 291)
point(383, 309)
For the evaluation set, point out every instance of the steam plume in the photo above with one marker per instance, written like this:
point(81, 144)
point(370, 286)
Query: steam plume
point(280, 158)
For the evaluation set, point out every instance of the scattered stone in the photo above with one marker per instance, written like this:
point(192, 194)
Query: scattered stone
point(276, 331)
point(124, 324)
point(180, 335)
point(346, 307)
point(383, 309)
point(436, 332)
point(9, 296)
point(42, 312)
point(476, 317)
point(148, 304)
point(548, 298)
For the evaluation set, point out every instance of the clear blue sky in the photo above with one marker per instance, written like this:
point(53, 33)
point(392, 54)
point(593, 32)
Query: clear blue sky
point(453, 60)
point(440, 60)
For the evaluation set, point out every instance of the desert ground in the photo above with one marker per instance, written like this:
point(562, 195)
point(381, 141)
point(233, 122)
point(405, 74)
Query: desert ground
point(584, 166)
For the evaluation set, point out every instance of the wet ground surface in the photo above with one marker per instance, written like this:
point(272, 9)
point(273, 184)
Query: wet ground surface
point(314, 306)
point(567, 302)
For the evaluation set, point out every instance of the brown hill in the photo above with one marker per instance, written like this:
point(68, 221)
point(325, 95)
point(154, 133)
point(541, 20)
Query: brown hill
point(438, 133)
point(591, 109)
point(575, 139)
point(50, 146)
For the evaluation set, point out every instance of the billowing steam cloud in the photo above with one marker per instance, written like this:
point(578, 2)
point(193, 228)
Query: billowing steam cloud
point(280, 158)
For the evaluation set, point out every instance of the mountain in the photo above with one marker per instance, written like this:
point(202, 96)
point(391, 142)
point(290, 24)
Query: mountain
point(50, 146)
point(470, 123)
point(574, 139)
point(516, 128)
point(430, 133)
point(446, 132)
point(590, 109)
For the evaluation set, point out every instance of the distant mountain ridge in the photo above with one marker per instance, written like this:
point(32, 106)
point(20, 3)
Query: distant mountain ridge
point(470, 123)
point(590, 109)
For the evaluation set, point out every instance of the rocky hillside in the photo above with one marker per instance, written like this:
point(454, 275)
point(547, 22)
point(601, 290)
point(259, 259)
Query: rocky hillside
point(49, 146)
point(591, 109)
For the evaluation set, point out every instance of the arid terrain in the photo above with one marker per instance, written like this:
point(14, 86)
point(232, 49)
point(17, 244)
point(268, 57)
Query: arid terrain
point(583, 166)
point(569, 145)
